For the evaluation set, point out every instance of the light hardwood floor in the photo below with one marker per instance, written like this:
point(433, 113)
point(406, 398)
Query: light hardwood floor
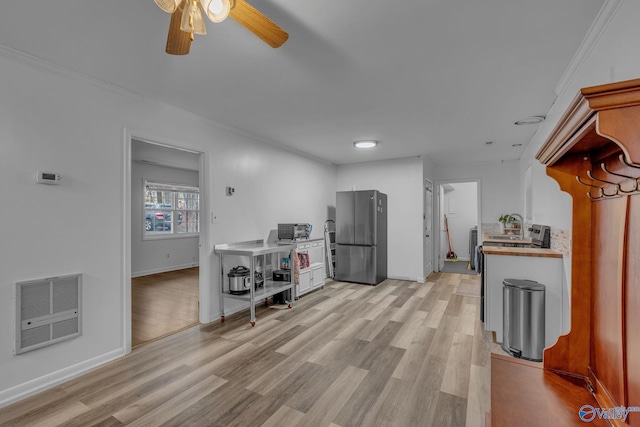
point(163, 303)
point(397, 354)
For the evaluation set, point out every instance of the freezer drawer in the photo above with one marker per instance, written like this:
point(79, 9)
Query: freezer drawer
point(357, 264)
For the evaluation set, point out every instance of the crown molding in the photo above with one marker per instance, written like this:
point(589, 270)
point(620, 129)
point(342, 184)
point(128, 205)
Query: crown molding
point(46, 66)
point(598, 27)
point(49, 67)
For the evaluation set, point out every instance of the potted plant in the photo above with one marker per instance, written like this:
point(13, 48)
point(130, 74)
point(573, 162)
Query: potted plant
point(504, 219)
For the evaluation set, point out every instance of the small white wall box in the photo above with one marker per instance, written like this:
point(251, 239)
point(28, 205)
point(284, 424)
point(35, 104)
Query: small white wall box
point(47, 311)
point(48, 178)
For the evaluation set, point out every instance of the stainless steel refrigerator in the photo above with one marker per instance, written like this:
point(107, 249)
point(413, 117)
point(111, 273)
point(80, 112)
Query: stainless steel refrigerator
point(361, 236)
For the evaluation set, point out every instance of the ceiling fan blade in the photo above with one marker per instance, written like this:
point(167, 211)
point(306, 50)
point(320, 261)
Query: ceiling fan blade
point(250, 18)
point(178, 41)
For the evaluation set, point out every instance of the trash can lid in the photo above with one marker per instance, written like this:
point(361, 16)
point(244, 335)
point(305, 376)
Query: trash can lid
point(529, 285)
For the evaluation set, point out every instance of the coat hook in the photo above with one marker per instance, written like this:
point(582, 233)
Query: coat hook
point(615, 185)
point(635, 180)
point(600, 190)
point(623, 160)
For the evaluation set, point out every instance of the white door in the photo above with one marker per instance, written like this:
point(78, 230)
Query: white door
point(428, 228)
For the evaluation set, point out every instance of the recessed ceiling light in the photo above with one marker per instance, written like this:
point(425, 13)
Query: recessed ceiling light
point(516, 145)
point(533, 120)
point(365, 144)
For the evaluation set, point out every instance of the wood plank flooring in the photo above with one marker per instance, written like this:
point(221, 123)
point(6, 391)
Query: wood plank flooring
point(397, 354)
point(163, 303)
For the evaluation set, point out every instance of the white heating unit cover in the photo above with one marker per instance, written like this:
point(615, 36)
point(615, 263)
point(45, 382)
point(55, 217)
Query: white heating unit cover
point(47, 311)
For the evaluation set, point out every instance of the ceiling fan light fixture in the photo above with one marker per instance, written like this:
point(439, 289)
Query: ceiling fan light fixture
point(192, 19)
point(217, 10)
point(168, 6)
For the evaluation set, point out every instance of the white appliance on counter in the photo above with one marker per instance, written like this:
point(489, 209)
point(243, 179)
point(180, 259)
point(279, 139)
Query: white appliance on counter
point(293, 232)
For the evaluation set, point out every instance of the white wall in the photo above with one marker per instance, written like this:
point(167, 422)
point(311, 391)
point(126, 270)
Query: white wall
point(461, 208)
point(499, 187)
point(271, 187)
point(499, 191)
point(53, 120)
point(610, 57)
point(402, 181)
point(150, 256)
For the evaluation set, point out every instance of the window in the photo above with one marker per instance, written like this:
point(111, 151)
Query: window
point(171, 210)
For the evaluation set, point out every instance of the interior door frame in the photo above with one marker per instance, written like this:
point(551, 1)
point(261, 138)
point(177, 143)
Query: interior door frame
point(203, 251)
point(425, 269)
point(438, 220)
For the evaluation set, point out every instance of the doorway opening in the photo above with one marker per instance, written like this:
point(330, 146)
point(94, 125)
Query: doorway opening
point(459, 225)
point(163, 304)
point(165, 278)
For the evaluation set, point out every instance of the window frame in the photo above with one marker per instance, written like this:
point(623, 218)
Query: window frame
point(174, 189)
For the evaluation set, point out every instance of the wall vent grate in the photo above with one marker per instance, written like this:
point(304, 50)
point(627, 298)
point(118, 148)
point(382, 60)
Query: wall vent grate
point(47, 311)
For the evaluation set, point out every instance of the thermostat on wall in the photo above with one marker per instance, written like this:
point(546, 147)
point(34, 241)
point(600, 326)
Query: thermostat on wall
point(48, 177)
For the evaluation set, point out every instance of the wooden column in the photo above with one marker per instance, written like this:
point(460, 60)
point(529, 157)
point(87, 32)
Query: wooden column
point(605, 278)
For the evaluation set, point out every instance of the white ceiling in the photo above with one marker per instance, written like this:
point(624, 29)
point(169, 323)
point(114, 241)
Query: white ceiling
point(432, 77)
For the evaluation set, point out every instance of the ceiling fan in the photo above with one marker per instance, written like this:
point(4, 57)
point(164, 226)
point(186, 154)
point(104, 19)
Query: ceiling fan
point(187, 20)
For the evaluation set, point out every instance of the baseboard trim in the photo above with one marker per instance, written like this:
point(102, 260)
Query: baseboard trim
point(460, 258)
point(45, 382)
point(409, 279)
point(164, 269)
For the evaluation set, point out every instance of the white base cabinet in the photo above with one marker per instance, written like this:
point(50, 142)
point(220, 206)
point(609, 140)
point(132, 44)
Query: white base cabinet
point(312, 277)
point(547, 271)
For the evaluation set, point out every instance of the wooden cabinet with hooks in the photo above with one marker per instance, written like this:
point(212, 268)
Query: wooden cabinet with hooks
point(594, 155)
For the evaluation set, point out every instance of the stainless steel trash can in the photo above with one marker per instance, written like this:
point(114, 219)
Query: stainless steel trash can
point(523, 318)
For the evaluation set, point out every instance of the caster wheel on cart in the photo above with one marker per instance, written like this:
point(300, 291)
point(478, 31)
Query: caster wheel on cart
point(289, 306)
point(253, 324)
point(222, 319)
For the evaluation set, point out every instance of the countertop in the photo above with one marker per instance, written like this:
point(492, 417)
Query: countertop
point(297, 242)
point(515, 251)
point(251, 248)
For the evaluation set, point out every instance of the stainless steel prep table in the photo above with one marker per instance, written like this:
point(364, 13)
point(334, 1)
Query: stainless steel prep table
point(254, 249)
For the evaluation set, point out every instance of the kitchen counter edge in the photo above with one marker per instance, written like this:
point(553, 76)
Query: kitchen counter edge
point(515, 251)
